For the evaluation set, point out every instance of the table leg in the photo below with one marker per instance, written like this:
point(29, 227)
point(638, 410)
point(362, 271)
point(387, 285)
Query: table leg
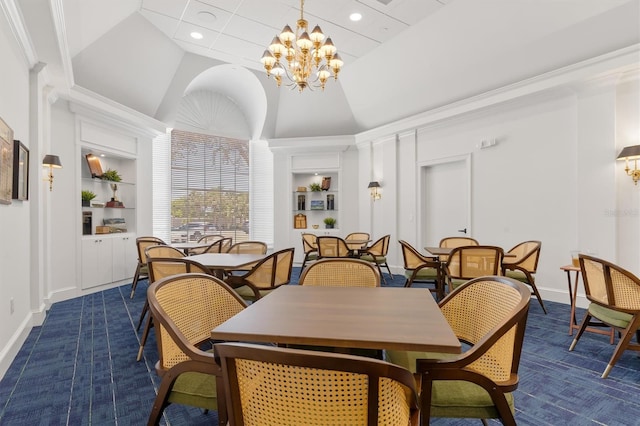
point(572, 297)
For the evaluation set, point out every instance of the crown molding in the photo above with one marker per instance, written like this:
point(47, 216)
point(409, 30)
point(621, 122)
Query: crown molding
point(90, 104)
point(19, 30)
point(57, 13)
point(622, 60)
point(312, 144)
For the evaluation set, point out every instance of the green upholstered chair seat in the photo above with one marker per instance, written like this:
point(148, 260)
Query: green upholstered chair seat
point(455, 283)
point(609, 316)
point(312, 256)
point(195, 389)
point(460, 399)
point(517, 275)
point(423, 274)
point(407, 359)
point(247, 293)
point(144, 269)
point(377, 259)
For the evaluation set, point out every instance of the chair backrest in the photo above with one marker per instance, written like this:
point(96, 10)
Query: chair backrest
point(220, 246)
point(330, 246)
point(490, 313)
point(272, 271)
point(413, 259)
point(163, 251)
point(474, 261)
point(357, 236)
point(453, 242)
point(610, 285)
point(269, 385)
point(210, 238)
point(341, 272)
point(162, 267)
point(526, 257)
point(309, 242)
point(248, 247)
point(206, 239)
point(185, 309)
point(142, 243)
point(380, 247)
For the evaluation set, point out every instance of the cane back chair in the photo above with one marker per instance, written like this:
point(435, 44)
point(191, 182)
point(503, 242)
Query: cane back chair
point(523, 266)
point(268, 385)
point(141, 269)
point(339, 272)
point(185, 309)
point(614, 294)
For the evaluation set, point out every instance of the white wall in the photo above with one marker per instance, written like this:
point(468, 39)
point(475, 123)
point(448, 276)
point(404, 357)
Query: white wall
point(15, 277)
point(552, 176)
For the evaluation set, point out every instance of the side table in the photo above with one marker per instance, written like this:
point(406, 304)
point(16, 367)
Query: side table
point(573, 323)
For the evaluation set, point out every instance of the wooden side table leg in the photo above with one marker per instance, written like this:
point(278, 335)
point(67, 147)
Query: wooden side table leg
point(572, 319)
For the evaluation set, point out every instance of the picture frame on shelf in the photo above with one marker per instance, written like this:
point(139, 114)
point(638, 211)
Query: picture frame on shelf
point(20, 187)
point(6, 162)
point(95, 167)
point(317, 204)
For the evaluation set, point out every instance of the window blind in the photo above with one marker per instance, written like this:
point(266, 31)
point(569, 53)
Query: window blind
point(209, 186)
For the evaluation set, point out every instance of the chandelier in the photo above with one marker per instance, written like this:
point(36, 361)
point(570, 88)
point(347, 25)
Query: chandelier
point(310, 62)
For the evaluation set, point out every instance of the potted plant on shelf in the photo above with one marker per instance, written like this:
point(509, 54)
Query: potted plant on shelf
point(329, 222)
point(315, 187)
point(111, 175)
point(87, 196)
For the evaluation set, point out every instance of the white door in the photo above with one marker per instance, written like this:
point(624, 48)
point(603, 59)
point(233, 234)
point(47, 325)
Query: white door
point(445, 200)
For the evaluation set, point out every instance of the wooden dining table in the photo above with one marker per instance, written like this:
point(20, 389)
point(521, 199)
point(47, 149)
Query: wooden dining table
point(224, 262)
point(227, 261)
point(188, 246)
point(445, 251)
point(344, 317)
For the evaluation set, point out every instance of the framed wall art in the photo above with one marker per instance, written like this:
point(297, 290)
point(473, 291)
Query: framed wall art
point(6, 162)
point(20, 172)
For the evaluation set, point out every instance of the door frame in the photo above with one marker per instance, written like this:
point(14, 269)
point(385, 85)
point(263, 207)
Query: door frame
point(421, 179)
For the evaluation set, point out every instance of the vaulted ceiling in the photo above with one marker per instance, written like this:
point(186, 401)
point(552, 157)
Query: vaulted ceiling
point(404, 57)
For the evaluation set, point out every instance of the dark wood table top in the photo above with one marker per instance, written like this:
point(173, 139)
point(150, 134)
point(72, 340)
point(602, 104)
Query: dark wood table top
point(226, 261)
point(444, 251)
point(347, 317)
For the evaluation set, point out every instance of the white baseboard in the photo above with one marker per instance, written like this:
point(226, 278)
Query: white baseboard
point(12, 347)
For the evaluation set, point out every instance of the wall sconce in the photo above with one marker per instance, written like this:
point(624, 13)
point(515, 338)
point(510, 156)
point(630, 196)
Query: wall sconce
point(51, 161)
point(631, 153)
point(373, 188)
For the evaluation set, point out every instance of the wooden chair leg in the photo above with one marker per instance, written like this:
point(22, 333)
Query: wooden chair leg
point(162, 400)
point(134, 284)
point(145, 335)
point(145, 309)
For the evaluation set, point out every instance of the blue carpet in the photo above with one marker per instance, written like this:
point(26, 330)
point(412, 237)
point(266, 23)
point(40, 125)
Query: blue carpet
point(79, 368)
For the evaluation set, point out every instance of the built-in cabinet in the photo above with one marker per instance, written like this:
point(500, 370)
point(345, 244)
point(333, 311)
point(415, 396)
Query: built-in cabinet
point(107, 259)
point(124, 191)
point(108, 224)
point(311, 208)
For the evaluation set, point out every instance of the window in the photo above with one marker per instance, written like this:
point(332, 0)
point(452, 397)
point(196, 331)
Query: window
point(209, 186)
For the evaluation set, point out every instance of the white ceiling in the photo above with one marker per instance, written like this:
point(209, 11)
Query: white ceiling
point(237, 31)
point(403, 57)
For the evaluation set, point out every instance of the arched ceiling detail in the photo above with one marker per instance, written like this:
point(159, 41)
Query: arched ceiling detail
point(221, 98)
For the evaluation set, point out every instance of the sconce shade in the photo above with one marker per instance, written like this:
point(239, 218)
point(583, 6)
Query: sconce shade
point(52, 161)
point(630, 152)
point(373, 184)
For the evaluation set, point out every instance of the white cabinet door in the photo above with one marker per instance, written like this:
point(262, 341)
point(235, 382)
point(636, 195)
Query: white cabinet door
point(97, 262)
point(124, 257)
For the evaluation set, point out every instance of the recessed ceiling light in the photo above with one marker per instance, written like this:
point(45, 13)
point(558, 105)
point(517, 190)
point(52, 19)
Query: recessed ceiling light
point(355, 16)
point(196, 35)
